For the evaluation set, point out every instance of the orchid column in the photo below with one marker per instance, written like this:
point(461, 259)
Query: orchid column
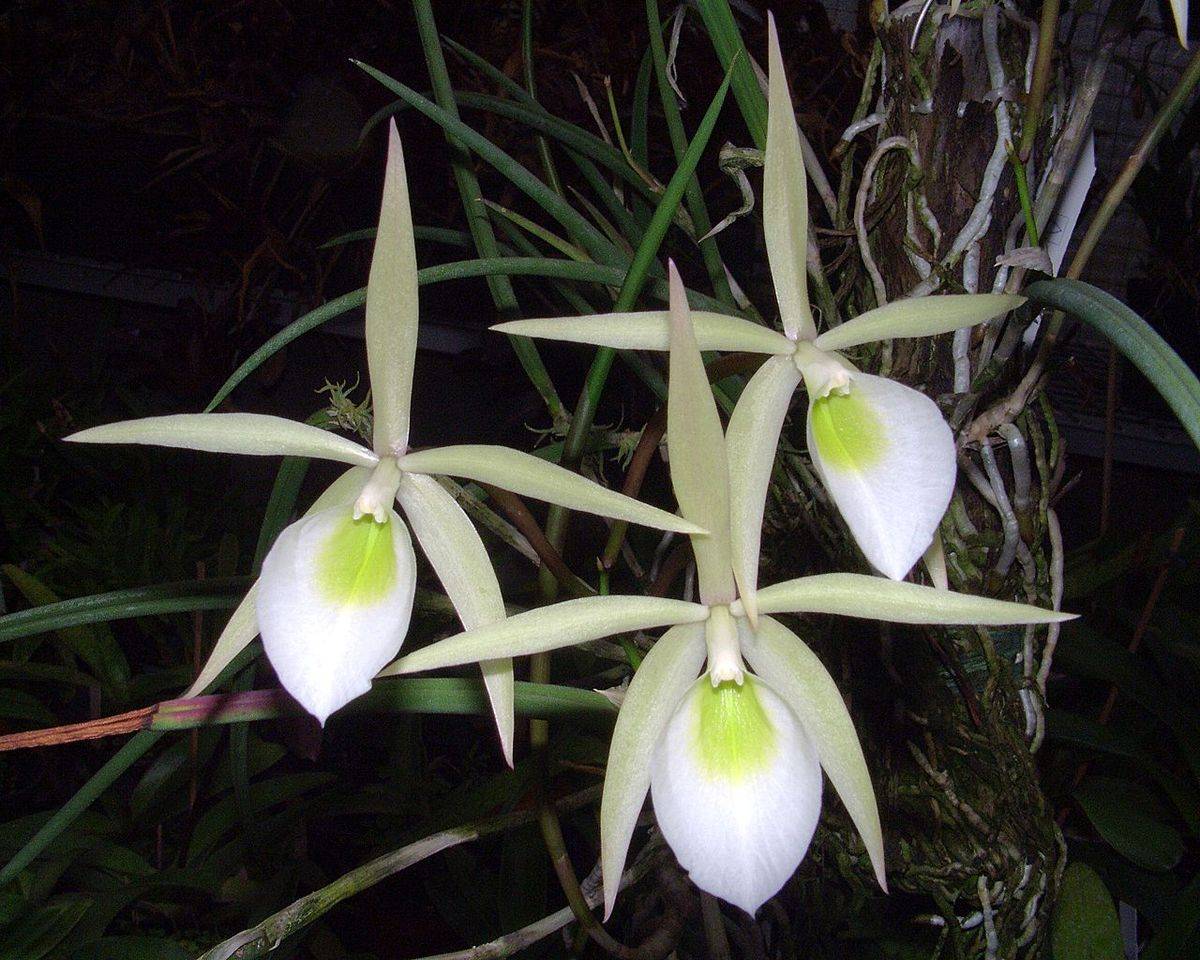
point(336, 591)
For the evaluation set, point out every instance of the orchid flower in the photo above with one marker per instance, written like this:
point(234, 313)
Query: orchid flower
point(882, 449)
point(336, 591)
point(729, 719)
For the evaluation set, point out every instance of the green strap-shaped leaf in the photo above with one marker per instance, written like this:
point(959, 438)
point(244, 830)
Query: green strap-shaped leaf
point(550, 628)
point(785, 200)
point(919, 317)
point(391, 327)
point(530, 476)
point(696, 447)
point(1120, 810)
point(664, 676)
point(251, 433)
point(461, 562)
point(242, 626)
point(876, 598)
point(651, 330)
point(1134, 337)
point(752, 438)
point(793, 671)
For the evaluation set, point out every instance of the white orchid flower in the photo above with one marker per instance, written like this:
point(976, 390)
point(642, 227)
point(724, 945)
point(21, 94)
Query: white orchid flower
point(336, 591)
point(882, 449)
point(733, 759)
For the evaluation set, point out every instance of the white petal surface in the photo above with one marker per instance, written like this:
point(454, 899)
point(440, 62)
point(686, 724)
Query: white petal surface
point(242, 626)
point(873, 598)
point(752, 439)
point(461, 562)
point(530, 476)
point(335, 597)
point(650, 330)
point(784, 661)
point(696, 447)
point(1179, 11)
point(918, 317)
point(549, 628)
point(785, 199)
point(886, 457)
point(666, 673)
point(252, 433)
point(391, 327)
point(736, 787)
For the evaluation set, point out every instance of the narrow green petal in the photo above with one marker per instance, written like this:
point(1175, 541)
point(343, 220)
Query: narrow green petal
point(251, 433)
point(243, 624)
point(1179, 12)
point(651, 330)
point(696, 447)
point(785, 199)
point(663, 678)
point(392, 308)
point(461, 562)
point(752, 438)
point(919, 317)
point(875, 598)
point(525, 474)
point(549, 628)
point(793, 671)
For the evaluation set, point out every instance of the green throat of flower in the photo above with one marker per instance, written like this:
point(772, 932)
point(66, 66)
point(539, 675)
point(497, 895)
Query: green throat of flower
point(846, 431)
point(734, 736)
point(357, 563)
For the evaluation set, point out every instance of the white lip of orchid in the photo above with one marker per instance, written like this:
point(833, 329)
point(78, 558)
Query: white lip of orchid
point(379, 494)
point(724, 648)
point(824, 371)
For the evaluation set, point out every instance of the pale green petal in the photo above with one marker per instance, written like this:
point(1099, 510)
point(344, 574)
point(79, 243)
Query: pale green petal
point(461, 563)
point(549, 628)
point(525, 474)
point(875, 598)
point(243, 625)
point(785, 199)
point(696, 447)
point(752, 438)
point(784, 661)
point(650, 330)
point(919, 317)
point(392, 308)
point(1179, 11)
point(665, 675)
point(935, 563)
point(252, 433)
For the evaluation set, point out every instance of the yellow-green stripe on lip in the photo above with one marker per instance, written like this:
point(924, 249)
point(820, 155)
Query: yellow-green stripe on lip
point(734, 736)
point(847, 432)
point(357, 563)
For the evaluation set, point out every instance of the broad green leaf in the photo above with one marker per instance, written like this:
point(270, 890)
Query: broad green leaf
point(549, 628)
point(752, 439)
point(242, 627)
point(391, 327)
point(696, 446)
point(1181, 926)
point(1117, 809)
point(1085, 924)
point(251, 433)
point(665, 674)
point(461, 562)
point(1134, 337)
point(918, 317)
point(793, 671)
point(651, 330)
point(875, 598)
point(530, 476)
point(785, 199)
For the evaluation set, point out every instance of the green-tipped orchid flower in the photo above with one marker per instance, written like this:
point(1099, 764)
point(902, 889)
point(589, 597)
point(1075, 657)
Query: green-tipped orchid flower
point(730, 719)
point(882, 449)
point(336, 591)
